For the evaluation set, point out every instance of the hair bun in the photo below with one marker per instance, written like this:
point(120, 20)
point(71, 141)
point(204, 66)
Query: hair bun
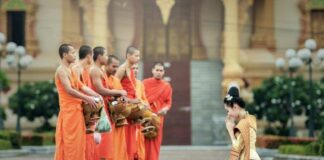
point(233, 91)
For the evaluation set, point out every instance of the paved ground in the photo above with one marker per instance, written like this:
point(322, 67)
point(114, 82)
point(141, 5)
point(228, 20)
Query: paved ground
point(167, 153)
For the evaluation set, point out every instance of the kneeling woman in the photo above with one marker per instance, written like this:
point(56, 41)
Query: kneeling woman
point(243, 135)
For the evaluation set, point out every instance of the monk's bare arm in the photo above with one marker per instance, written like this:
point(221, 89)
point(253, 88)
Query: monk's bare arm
point(120, 72)
point(96, 80)
point(68, 88)
point(89, 91)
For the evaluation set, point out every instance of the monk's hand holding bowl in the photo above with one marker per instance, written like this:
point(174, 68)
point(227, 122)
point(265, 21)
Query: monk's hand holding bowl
point(91, 101)
point(123, 93)
point(134, 101)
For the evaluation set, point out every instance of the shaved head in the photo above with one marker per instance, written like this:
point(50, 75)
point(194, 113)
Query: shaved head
point(158, 70)
point(131, 50)
point(133, 55)
point(111, 58)
point(158, 64)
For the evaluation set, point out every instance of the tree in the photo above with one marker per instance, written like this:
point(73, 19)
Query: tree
point(38, 99)
point(4, 87)
point(271, 101)
point(4, 82)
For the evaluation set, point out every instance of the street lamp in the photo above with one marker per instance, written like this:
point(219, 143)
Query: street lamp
point(16, 58)
point(294, 64)
point(306, 55)
point(320, 54)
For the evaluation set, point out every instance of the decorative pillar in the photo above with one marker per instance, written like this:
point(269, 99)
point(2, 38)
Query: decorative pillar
point(71, 23)
point(198, 48)
point(305, 19)
point(31, 40)
point(263, 35)
point(95, 21)
point(138, 26)
point(244, 8)
point(232, 70)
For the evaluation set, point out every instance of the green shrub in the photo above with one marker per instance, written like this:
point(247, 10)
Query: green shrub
point(36, 100)
point(32, 140)
point(48, 138)
point(292, 149)
point(5, 144)
point(315, 148)
point(13, 137)
point(39, 139)
point(3, 113)
point(270, 141)
point(5, 135)
point(48, 141)
point(272, 102)
point(4, 82)
point(312, 148)
point(320, 143)
point(321, 148)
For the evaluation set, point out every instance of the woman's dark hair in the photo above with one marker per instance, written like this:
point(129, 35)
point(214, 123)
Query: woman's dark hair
point(233, 97)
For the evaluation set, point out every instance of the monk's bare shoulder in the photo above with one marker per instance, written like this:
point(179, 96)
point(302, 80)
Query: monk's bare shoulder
point(95, 72)
point(122, 67)
point(93, 69)
point(62, 73)
point(77, 69)
point(121, 71)
point(58, 70)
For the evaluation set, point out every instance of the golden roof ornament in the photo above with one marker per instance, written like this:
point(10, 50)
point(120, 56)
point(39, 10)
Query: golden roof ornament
point(165, 9)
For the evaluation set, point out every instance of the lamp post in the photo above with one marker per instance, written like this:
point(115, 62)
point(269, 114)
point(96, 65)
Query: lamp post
point(17, 58)
point(294, 64)
point(306, 55)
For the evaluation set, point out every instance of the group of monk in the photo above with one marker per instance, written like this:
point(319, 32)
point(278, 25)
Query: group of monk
point(98, 74)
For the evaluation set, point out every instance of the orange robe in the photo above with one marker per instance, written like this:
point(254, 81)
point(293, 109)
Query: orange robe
point(119, 140)
point(140, 139)
point(159, 95)
point(85, 77)
point(128, 83)
point(70, 135)
point(91, 152)
point(105, 150)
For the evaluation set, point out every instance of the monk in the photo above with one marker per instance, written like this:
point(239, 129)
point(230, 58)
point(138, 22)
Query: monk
point(70, 137)
point(99, 83)
point(85, 61)
point(159, 96)
point(128, 81)
point(82, 71)
point(140, 91)
point(119, 139)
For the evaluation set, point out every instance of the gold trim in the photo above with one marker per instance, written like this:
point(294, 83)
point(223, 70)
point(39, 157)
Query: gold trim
point(31, 41)
point(165, 9)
